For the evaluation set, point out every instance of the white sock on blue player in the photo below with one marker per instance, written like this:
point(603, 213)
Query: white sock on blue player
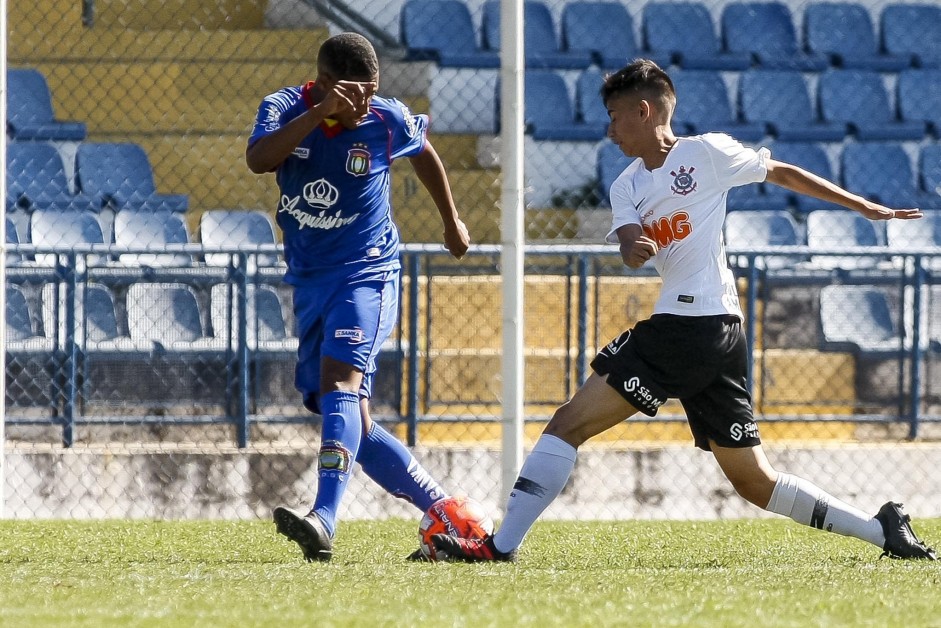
point(546, 470)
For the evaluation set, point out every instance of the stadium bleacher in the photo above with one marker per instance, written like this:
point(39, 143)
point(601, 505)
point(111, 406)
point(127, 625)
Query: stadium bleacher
point(858, 98)
point(777, 47)
point(844, 31)
point(685, 31)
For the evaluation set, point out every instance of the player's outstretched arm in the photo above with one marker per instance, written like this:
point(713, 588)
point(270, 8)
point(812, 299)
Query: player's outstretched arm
point(803, 182)
point(430, 172)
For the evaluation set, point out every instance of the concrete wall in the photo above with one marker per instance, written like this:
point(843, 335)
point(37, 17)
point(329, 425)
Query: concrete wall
point(671, 482)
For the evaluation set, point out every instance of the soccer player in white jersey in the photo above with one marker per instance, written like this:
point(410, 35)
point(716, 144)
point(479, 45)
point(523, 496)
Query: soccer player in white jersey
point(669, 205)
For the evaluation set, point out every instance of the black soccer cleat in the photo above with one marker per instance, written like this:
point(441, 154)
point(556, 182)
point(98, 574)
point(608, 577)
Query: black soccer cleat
point(305, 530)
point(900, 540)
point(471, 550)
point(418, 556)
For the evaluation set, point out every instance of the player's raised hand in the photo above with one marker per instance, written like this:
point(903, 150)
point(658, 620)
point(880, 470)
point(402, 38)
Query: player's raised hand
point(880, 212)
point(456, 239)
point(639, 251)
point(349, 97)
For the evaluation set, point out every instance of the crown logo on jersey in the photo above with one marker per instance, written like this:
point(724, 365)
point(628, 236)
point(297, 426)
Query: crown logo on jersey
point(357, 160)
point(320, 193)
point(683, 182)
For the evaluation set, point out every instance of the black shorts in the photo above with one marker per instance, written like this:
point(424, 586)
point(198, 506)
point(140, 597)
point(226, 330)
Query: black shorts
point(700, 360)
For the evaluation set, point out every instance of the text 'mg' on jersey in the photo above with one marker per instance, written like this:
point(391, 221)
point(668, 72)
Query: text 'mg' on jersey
point(334, 208)
point(681, 206)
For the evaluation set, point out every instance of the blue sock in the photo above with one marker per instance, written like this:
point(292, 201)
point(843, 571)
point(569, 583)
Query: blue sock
point(339, 443)
point(390, 464)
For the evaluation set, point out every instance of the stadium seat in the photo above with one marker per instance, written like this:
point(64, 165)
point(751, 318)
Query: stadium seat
point(121, 175)
point(266, 329)
point(12, 237)
point(36, 179)
point(244, 229)
point(832, 230)
point(858, 319)
point(549, 113)
point(442, 31)
point(20, 337)
point(810, 157)
point(611, 163)
point(904, 235)
point(703, 106)
point(766, 30)
point(137, 230)
point(685, 31)
point(859, 99)
point(780, 99)
point(929, 172)
point(757, 229)
point(913, 31)
point(845, 33)
point(62, 230)
point(542, 47)
point(96, 320)
point(169, 316)
point(29, 110)
point(606, 31)
point(919, 98)
point(588, 105)
point(882, 171)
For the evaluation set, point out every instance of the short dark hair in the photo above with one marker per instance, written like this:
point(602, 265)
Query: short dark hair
point(641, 77)
point(349, 56)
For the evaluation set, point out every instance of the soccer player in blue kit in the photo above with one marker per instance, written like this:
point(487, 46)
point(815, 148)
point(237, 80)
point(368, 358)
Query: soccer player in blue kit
point(332, 143)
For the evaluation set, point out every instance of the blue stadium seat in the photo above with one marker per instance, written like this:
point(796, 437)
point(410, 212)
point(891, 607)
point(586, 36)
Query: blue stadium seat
point(919, 98)
point(858, 319)
point(832, 230)
point(914, 31)
point(549, 113)
point(96, 328)
point(766, 30)
point(121, 174)
point(542, 47)
point(63, 230)
point(755, 229)
point(169, 316)
point(781, 99)
point(859, 98)
point(36, 179)
point(606, 31)
point(267, 330)
point(845, 33)
point(810, 157)
point(136, 230)
point(703, 106)
point(442, 31)
point(882, 171)
point(588, 105)
point(236, 228)
point(611, 163)
point(685, 31)
point(929, 170)
point(20, 335)
point(29, 110)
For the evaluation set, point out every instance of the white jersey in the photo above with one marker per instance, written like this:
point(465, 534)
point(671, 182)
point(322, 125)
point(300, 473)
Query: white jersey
point(681, 206)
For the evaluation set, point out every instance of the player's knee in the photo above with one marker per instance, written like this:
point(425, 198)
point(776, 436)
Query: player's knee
point(563, 426)
point(755, 489)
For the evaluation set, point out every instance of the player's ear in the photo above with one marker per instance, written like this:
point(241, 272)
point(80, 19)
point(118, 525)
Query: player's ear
point(644, 109)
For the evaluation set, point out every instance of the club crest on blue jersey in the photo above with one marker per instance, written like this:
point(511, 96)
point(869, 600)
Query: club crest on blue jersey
point(357, 160)
point(683, 182)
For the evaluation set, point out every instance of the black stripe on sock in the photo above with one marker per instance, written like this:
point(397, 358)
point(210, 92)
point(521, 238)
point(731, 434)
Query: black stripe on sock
point(820, 513)
point(528, 486)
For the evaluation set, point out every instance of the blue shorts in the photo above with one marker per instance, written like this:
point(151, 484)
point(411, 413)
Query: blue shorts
point(347, 320)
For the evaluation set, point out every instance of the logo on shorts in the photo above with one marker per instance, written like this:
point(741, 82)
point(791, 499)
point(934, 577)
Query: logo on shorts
point(355, 336)
point(749, 430)
point(357, 160)
point(643, 394)
point(615, 345)
point(683, 182)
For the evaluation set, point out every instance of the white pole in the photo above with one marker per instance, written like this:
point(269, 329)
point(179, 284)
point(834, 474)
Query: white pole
point(511, 140)
point(3, 255)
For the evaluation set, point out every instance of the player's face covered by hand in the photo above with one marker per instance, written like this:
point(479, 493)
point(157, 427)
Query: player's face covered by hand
point(350, 97)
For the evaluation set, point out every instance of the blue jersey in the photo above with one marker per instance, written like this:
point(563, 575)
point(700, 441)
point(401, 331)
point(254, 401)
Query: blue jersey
point(335, 188)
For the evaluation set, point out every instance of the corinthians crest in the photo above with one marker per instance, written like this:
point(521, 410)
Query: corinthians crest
point(683, 182)
point(357, 160)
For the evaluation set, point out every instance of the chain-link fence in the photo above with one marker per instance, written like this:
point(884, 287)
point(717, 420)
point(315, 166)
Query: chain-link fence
point(150, 339)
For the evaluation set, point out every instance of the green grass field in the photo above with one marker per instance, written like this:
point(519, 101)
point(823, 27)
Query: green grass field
point(740, 573)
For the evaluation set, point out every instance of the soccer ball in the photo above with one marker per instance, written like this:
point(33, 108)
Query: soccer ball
point(458, 516)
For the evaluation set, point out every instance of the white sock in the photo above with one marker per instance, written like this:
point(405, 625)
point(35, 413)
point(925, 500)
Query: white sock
point(807, 504)
point(546, 470)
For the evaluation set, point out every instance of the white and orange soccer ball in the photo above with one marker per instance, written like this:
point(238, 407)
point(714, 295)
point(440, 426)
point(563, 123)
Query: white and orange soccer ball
point(458, 516)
